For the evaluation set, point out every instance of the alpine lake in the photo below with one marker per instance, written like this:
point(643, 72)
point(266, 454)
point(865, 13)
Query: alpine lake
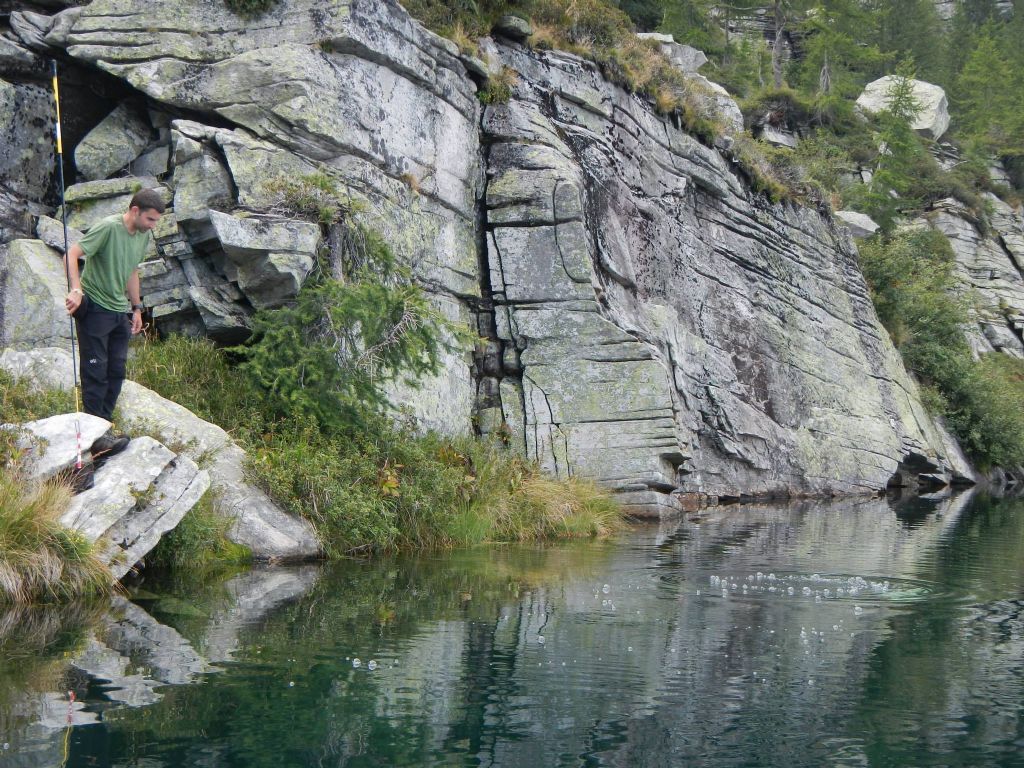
point(863, 632)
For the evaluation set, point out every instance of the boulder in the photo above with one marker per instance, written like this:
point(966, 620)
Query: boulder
point(51, 232)
point(52, 445)
point(119, 138)
point(860, 224)
point(32, 290)
point(685, 57)
point(177, 489)
point(27, 149)
point(138, 495)
point(778, 137)
point(513, 27)
point(932, 120)
point(269, 259)
point(257, 522)
point(200, 182)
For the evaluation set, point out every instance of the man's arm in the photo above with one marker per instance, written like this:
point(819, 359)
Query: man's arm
point(135, 297)
point(74, 297)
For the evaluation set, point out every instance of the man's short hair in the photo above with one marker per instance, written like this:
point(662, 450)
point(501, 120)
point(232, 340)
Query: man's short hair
point(147, 199)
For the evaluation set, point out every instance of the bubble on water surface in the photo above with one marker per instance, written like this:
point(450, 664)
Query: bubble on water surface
point(356, 663)
point(371, 665)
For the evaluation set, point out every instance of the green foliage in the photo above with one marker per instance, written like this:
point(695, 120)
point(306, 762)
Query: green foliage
point(645, 14)
point(475, 17)
point(839, 57)
point(772, 179)
point(250, 9)
point(314, 198)
point(40, 560)
point(691, 22)
point(381, 486)
point(498, 89)
point(987, 95)
point(195, 374)
point(199, 542)
point(912, 29)
point(911, 280)
point(743, 68)
point(902, 153)
point(330, 356)
point(386, 487)
point(779, 107)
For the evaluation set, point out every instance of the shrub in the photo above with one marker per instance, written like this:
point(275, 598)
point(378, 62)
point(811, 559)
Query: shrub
point(330, 355)
point(911, 280)
point(195, 374)
point(313, 197)
point(198, 542)
point(382, 486)
point(498, 89)
point(386, 487)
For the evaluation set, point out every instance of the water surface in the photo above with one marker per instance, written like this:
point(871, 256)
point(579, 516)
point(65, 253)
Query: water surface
point(847, 634)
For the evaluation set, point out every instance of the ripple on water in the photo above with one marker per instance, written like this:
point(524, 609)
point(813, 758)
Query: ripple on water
point(814, 586)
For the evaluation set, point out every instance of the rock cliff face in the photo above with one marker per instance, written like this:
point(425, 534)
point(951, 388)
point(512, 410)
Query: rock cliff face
point(663, 329)
point(649, 321)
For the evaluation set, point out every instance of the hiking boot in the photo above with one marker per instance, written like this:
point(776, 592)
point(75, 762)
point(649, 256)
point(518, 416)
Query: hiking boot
point(81, 479)
point(108, 444)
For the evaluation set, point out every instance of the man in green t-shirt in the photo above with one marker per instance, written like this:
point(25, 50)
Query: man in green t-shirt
point(113, 249)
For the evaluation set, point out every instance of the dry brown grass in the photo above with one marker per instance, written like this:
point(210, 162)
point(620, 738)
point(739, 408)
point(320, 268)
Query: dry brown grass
point(40, 560)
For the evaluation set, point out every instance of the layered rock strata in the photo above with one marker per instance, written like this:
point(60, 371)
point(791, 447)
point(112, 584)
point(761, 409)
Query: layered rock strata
point(664, 330)
point(990, 270)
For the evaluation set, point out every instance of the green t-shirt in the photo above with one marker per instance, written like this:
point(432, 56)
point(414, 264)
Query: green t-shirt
point(111, 254)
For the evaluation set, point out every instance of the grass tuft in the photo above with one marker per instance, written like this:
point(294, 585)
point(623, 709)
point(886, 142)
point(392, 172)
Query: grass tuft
point(40, 560)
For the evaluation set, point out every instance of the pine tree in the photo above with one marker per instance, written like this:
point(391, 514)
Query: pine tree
point(913, 29)
point(989, 115)
point(839, 55)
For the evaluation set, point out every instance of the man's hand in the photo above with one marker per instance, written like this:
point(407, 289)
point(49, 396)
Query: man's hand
point(73, 300)
point(136, 322)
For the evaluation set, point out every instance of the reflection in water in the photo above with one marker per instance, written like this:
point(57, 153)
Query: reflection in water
point(805, 634)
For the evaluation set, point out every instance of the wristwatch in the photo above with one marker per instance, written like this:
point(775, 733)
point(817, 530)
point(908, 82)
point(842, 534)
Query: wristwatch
point(138, 307)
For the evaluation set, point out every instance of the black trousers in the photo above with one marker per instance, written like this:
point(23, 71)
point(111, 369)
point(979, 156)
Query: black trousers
point(102, 353)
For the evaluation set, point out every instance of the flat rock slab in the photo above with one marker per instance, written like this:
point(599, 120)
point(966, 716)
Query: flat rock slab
point(52, 444)
point(121, 483)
